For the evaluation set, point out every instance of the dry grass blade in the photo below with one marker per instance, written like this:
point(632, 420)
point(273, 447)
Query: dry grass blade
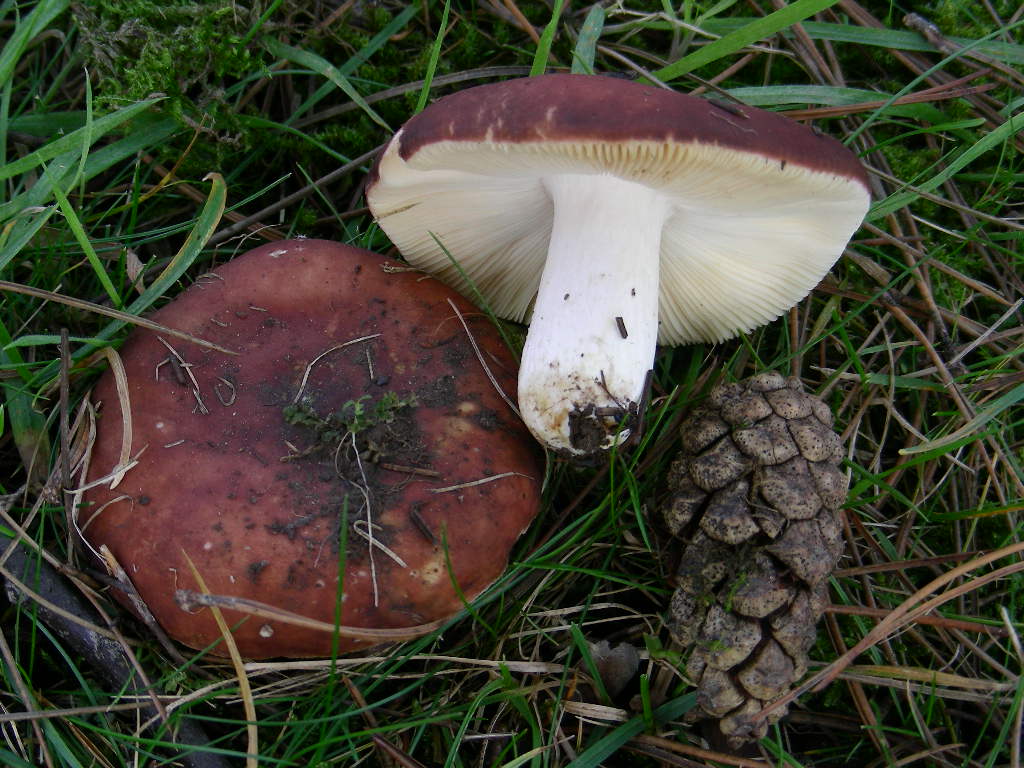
point(189, 600)
point(53, 607)
point(696, 752)
point(483, 363)
point(99, 309)
point(56, 604)
point(65, 417)
point(312, 363)
point(242, 224)
point(933, 35)
point(387, 749)
point(244, 689)
point(25, 695)
point(942, 92)
point(393, 752)
point(929, 676)
point(937, 621)
point(49, 714)
point(518, 667)
point(124, 461)
point(481, 481)
point(521, 20)
point(909, 611)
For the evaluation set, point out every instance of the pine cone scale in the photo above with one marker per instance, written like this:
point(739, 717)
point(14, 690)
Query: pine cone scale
point(754, 502)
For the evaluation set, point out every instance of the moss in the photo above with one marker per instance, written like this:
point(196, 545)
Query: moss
point(355, 417)
point(185, 51)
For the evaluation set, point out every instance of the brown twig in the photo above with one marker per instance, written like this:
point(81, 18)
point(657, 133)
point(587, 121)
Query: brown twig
point(935, 621)
point(244, 223)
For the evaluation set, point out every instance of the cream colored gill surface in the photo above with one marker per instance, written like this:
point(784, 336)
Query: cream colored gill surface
point(747, 239)
point(727, 272)
point(495, 228)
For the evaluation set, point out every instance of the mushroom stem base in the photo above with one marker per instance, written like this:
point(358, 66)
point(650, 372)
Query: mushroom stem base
point(594, 329)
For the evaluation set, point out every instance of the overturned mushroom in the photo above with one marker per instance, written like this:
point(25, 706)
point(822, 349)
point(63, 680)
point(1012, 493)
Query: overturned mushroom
point(354, 453)
point(613, 216)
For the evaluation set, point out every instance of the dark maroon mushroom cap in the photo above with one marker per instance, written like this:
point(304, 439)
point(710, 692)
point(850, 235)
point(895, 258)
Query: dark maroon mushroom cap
point(595, 108)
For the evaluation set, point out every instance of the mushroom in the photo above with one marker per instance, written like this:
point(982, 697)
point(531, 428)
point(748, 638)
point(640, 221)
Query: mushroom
point(614, 216)
point(353, 452)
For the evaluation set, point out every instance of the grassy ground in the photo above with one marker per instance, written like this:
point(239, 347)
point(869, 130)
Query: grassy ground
point(113, 116)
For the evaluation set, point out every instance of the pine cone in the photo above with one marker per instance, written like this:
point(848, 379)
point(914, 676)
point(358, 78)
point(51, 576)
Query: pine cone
point(755, 495)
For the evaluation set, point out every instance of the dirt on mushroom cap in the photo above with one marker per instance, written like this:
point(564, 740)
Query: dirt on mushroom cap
point(355, 388)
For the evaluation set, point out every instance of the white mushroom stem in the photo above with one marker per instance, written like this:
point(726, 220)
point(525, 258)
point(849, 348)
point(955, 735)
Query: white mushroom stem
point(594, 330)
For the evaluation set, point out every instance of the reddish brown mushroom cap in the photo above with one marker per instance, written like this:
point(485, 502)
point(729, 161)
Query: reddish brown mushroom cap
point(255, 499)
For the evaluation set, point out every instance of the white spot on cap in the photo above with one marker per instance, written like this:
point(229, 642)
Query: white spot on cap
point(266, 631)
point(277, 253)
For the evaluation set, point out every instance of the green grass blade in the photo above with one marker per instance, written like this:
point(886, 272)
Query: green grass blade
point(471, 710)
point(586, 44)
point(87, 135)
point(206, 224)
point(435, 54)
point(27, 425)
point(983, 417)
point(595, 755)
point(1010, 724)
point(645, 702)
point(5, 110)
point(361, 56)
point(18, 233)
point(756, 30)
point(32, 25)
point(56, 173)
point(149, 131)
point(73, 141)
point(41, 339)
point(47, 123)
point(827, 95)
point(11, 760)
point(583, 648)
point(991, 140)
point(801, 95)
point(540, 58)
point(894, 39)
point(75, 224)
point(263, 19)
point(324, 68)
